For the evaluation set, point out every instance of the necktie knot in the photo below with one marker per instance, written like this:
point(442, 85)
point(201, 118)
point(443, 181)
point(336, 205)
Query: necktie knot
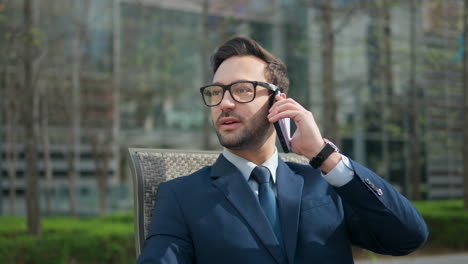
point(261, 174)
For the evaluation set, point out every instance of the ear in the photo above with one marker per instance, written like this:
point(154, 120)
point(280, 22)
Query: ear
point(283, 95)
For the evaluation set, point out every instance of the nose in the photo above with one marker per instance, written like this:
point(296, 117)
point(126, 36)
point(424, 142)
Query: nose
point(227, 102)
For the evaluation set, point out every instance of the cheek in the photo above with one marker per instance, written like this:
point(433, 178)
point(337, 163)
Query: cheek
point(214, 114)
point(261, 108)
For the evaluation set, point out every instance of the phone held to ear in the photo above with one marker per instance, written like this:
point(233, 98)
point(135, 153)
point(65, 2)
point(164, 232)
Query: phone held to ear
point(283, 130)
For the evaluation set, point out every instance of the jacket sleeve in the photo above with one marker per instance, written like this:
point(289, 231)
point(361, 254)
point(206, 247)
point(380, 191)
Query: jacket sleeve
point(378, 217)
point(168, 238)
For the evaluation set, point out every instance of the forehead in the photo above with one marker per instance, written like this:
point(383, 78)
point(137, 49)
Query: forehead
point(237, 68)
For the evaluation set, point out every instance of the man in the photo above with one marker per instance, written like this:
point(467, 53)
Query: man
point(251, 207)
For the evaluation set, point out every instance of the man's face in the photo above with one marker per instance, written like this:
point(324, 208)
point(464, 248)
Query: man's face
point(242, 126)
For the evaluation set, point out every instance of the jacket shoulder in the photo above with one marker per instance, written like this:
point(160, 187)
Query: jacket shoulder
point(196, 177)
point(300, 168)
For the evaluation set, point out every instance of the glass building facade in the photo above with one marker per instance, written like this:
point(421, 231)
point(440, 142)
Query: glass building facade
point(139, 63)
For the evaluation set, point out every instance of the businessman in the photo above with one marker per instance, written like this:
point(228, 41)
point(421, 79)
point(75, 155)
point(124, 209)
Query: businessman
point(252, 207)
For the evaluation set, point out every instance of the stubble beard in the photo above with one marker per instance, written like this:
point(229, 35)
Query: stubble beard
point(251, 136)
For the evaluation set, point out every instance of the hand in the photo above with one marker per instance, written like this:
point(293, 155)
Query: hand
point(307, 139)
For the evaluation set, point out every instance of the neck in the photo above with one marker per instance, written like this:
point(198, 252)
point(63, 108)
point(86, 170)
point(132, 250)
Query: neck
point(258, 155)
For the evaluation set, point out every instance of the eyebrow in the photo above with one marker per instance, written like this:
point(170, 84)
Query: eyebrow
point(240, 80)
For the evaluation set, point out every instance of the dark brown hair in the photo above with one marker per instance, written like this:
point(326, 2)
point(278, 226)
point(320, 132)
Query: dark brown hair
point(276, 71)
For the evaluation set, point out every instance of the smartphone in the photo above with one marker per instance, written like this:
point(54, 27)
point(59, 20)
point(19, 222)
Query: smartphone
point(283, 128)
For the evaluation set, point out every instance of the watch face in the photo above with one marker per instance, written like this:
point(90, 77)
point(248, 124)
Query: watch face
point(333, 145)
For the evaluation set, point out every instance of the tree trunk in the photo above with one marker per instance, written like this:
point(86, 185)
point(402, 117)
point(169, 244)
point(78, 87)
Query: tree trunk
point(465, 106)
point(101, 152)
point(387, 81)
point(387, 48)
point(46, 151)
point(414, 106)
point(204, 52)
point(31, 124)
point(74, 159)
point(330, 122)
point(12, 126)
point(106, 153)
point(382, 75)
point(116, 87)
point(278, 31)
point(11, 157)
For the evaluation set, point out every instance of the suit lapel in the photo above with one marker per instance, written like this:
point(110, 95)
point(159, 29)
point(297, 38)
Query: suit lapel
point(289, 198)
point(229, 180)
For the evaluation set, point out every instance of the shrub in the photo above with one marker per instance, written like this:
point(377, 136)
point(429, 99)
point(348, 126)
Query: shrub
point(68, 240)
point(447, 222)
point(110, 239)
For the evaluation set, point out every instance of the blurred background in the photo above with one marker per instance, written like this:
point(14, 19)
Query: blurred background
point(81, 81)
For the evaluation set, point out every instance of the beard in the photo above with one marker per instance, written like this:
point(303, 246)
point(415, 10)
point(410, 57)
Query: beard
point(251, 136)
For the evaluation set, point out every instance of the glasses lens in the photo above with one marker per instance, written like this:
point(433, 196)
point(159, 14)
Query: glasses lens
point(213, 95)
point(243, 92)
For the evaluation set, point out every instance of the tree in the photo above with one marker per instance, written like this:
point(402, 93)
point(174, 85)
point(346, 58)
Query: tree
point(20, 69)
point(9, 86)
point(387, 79)
point(74, 160)
point(415, 143)
point(31, 122)
point(381, 73)
point(11, 113)
point(46, 147)
point(328, 32)
point(330, 106)
point(204, 51)
point(101, 152)
point(465, 105)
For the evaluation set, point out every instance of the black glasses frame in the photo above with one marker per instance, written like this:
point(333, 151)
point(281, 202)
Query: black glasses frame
point(227, 87)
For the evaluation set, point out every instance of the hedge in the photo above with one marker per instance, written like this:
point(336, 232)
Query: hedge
point(110, 239)
point(447, 222)
point(68, 240)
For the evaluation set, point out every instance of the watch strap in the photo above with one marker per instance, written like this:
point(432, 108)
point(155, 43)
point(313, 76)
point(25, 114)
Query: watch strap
point(317, 161)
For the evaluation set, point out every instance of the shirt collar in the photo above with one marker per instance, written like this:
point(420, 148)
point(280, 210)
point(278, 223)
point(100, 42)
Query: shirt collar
point(246, 167)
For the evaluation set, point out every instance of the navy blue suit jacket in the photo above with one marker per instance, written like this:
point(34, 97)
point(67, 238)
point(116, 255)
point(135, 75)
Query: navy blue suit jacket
point(212, 216)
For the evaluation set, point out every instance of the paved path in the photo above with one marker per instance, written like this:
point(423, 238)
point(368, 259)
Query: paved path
point(444, 259)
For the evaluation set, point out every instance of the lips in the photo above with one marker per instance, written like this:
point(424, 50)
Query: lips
point(229, 123)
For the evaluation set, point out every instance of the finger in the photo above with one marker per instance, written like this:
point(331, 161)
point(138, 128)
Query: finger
point(278, 98)
point(291, 113)
point(286, 106)
point(291, 102)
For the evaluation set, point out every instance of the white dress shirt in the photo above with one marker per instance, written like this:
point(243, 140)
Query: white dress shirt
point(338, 176)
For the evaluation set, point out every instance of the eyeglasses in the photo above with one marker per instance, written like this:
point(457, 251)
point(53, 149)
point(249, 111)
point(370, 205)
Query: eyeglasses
point(241, 91)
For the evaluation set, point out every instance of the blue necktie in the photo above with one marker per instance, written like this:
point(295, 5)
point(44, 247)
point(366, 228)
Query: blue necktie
point(267, 198)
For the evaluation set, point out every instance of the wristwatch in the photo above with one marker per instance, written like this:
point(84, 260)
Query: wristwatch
point(323, 154)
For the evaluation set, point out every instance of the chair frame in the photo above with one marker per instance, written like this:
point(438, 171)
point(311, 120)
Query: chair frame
point(137, 180)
